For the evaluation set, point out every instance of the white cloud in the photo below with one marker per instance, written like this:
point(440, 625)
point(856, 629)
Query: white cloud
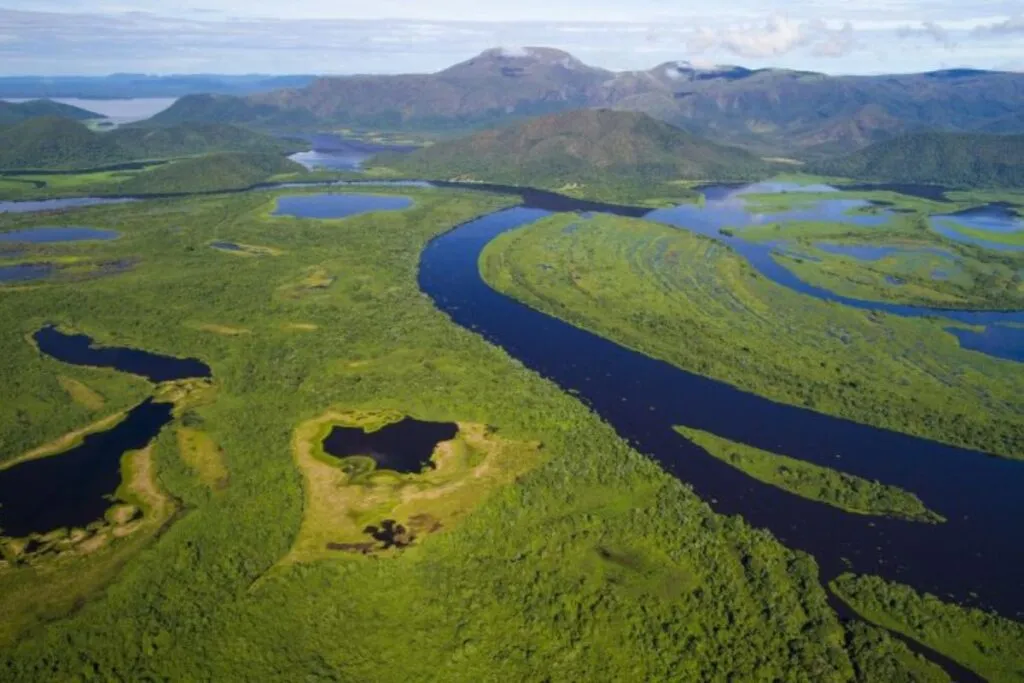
point(1008, 26)
point(930, 30)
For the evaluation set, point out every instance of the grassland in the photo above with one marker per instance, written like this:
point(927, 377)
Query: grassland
point(985, 643)
point(603, 566)
point(814, 482)
point(695, 303)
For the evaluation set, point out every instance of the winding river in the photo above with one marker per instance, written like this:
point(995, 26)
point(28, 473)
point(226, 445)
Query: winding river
point(974, 558)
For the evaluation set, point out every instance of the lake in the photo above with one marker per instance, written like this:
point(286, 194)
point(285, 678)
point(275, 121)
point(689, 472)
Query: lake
point(118, 111)
point(45, 235)
point(338, 205)
point(404, 446)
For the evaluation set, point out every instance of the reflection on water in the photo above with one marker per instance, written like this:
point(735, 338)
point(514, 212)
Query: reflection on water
point(43, 235)
point(337, 205)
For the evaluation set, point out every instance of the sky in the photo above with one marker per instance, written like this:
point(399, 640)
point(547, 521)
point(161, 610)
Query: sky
point(94, 37)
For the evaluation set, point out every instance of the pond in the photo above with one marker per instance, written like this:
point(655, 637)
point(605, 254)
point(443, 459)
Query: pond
point(226, 246)
point(78, 349)
point(73, 489)
point(404, 446)
point(30, 206)
point(24, 272)
point(338, 205)
point(994, 218)
point(338, 153)
point(47, 234)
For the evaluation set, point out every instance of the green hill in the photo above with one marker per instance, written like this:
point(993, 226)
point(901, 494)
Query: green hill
point(16, 112)
point(219, 171)
point(953, 159)
point(57, 143)
point(227, 109)
point(611, 154)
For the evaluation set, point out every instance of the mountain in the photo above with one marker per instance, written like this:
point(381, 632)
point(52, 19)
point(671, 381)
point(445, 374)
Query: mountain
point(774, 111)
point(600, 151)
point(951, 159)
point(210, 172)
point(16, 112)
point(57, 143)
point(121, 86)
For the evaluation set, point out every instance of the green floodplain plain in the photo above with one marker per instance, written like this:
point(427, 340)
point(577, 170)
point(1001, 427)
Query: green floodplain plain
point(572, 541)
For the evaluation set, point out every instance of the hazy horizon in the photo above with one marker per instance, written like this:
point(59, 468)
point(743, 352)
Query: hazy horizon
point(74, 37)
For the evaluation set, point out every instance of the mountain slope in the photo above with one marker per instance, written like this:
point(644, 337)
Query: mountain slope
point(767, 110)
point(953, 159)
point(16, 112)
point(601, 149)
point(210, 172)
point(56, 143)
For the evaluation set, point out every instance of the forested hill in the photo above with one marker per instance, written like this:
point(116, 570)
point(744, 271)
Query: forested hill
point(16, 112)
point(58, 143)
point(210, 172)
point(597, 148)
point(952, 159)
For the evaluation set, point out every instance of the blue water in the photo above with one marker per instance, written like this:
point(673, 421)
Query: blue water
point(44, 235)
point(58, 204)
point(227, 246)
point(338, 205)
point(725, 207)
point(23, 272)
point(995, 218)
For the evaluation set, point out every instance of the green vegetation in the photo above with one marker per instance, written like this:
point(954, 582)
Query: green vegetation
point(877, 656)
point(985, 643)
point(598, 154)
point(602, 565)
point(815, 482)
point(695, 303)
point(210, 172)
point(950, 159)
point(56, 143)
point(16, 112)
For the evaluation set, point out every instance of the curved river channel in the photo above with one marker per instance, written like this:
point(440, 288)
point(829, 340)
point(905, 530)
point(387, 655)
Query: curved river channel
point(973, 558)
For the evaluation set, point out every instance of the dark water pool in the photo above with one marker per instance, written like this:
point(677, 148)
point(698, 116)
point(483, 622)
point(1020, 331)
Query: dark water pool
point(975, 557)
point(72, 489)
point(46, 234)
point(338, 205)
point(58, 204)
point(25, 272)
point(404, 446)
point(227, 246)
point(78, 349)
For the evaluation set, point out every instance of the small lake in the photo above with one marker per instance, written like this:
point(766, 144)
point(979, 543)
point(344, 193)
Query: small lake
point(226, 246)
point(78, 349)
point(44, 235)
point(338, 205)
point(24, 272)
point(338, 153)
point(29, 206)
point(404, 446)
point(994, 218)
point(73, 489)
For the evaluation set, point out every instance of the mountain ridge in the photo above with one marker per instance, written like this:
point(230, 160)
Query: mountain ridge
point(769, 111)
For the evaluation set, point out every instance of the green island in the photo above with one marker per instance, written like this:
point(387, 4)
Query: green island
point(823, 484)
point(551, 526)
point(696, 304)
point(985, 643)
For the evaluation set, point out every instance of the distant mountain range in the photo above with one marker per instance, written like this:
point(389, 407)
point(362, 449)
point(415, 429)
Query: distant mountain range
point(16, 112)
point(120, 86)
point(770, 111)
point(53, 143)
point(950, 159)
point(597, 153)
